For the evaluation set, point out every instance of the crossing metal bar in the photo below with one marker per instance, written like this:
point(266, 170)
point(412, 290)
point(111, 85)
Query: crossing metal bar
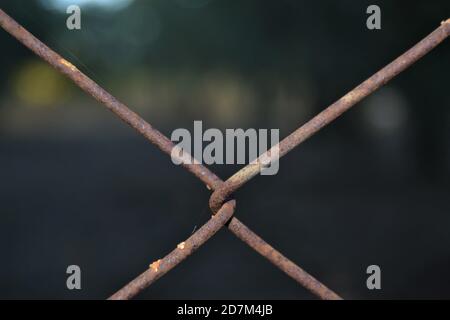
point(377, 80)
point(182, 251)
point(223, 190)
point(165, 145)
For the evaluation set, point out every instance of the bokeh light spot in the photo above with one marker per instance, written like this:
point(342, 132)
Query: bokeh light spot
point(104, 4)
point(36, 84)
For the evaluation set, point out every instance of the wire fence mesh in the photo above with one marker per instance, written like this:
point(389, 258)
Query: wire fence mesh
point(222, 203)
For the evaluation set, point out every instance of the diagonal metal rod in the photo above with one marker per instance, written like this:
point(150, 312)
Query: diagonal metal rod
point(331, 113)
point(161, 267)
point(164, 144)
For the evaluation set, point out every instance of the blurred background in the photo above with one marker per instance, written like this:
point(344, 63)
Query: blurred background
point(78, 186)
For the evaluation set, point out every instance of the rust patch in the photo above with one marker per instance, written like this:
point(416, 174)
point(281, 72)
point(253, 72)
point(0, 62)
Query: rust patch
point(155, 265)
point(67, 64)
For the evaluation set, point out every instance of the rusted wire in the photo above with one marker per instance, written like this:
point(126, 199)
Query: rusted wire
point(331, 113)
point(100, 94)
point(164, 144)
point(182, 251)
point(224, 190)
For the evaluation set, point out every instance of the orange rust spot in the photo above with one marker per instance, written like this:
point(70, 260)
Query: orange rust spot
point(68, 64)
point(181, 245)
point(155, 265)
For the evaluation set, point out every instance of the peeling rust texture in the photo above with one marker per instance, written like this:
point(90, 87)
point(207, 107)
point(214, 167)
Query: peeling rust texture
point(167, 263)
point(334, 111)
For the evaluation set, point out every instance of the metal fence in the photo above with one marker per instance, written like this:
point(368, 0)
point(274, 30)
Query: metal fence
point(221, 202)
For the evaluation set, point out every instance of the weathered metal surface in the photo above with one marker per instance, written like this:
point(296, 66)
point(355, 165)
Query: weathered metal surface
point(290, 268)
point(153, 135)
point(333, 111)
point(224, 189)
point(160, 267)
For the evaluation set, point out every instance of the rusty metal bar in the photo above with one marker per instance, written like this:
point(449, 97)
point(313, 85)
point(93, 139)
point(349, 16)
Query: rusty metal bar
point(101, 95)
point(154, 136)
point(331, 113)
point(160, 267)
point(288, 267)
